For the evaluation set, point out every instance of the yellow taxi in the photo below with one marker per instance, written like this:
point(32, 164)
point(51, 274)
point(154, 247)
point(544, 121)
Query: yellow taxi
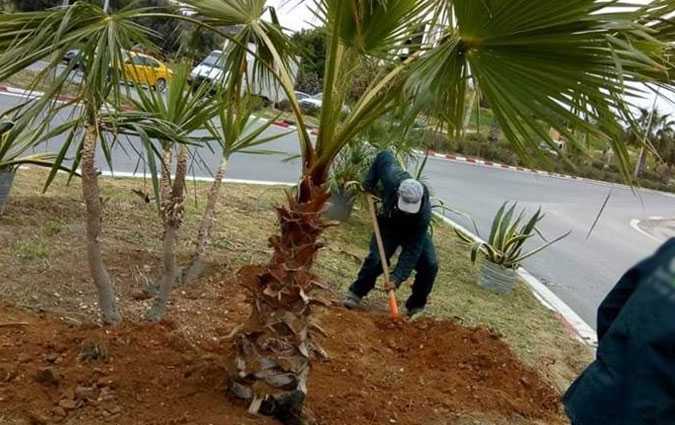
point(143, 69)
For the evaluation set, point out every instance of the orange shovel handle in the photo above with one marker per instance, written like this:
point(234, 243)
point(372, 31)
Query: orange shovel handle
point(393, 305)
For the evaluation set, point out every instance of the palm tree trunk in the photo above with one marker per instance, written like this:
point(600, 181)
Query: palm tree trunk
point(640, 164)
point(194, 269)
point(273, 349)
point(469, 110)
point(172, 215)
point(90, 193)
point(493, 136)
point(165, 176)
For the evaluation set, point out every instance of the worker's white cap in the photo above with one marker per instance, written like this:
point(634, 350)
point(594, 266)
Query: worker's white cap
point(410, 194)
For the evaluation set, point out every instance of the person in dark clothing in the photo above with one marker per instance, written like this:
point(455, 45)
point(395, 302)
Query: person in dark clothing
point(632, 380)
point(404, 220)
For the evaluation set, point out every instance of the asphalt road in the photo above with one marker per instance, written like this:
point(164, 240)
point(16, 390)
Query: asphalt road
point(580, 271)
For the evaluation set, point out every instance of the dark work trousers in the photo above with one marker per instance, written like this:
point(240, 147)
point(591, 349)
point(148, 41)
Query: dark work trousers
point(426, 270)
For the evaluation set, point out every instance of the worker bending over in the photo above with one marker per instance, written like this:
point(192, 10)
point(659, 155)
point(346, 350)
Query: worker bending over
point(404, 219)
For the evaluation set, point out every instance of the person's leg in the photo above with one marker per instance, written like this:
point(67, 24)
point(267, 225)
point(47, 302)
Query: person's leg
point(426, 271)
point(372, 266)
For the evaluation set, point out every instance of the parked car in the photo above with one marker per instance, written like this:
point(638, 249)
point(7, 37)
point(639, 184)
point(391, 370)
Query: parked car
point(73, 55)
point(211, 71)
point(138, 67)
point(311, 104)
point(300, 95)
point(144, 69)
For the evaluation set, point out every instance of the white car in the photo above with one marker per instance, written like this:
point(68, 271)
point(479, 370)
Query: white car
point(311, 103)
point(212, 70)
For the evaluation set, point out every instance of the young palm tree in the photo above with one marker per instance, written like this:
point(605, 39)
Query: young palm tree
point(189, 110)
point(534, 62)
point(102, 37)
point(237, 131)
point(245, 59)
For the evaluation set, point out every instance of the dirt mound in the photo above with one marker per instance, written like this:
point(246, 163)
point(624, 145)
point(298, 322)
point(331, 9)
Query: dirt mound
point(427, 372)
point(420, 373)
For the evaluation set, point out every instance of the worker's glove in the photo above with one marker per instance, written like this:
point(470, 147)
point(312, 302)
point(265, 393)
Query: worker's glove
point(393, 285)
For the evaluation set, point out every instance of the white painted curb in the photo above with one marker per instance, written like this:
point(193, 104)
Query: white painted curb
point(123, 174)
point(583, 332)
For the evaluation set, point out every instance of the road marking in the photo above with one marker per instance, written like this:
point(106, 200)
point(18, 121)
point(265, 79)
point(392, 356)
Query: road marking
point(583, 332)
point(635, 224)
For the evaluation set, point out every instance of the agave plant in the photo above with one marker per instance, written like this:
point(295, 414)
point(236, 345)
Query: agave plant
point(508, 236)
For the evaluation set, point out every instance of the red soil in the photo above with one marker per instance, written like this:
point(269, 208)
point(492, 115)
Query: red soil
point(425, 372)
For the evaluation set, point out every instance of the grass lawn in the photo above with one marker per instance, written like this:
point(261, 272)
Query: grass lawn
point(43, 261)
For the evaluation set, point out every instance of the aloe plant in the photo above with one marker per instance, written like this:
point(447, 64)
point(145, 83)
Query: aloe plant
point(510, 232)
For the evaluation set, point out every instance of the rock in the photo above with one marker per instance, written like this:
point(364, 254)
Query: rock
point(104, 382)
point(68, 393)
point(59, 411)
point(114, 410)
point(51, 357)
point(47, 376)
point(35, 418)
point(85, 393)
point(67, 404)
point(105, 394)
point(93, 350)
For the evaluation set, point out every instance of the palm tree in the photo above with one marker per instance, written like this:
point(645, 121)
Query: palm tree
point(238, 131)
point(189, 110)
point(102, 37)
point(653, 132)
point(532, 60)
point(248, 51)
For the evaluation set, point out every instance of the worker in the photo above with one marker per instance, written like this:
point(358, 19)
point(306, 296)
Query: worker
point(404, 220)
point(632, 380)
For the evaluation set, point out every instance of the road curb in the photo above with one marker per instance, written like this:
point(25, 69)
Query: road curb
point(492, 164)
point(570, 319)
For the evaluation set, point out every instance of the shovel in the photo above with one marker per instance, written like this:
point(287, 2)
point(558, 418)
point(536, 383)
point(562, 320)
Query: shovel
point(393, 304)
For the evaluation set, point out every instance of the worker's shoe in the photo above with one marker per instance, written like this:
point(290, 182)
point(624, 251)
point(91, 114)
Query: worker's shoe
point(415, 313)
point(351, 300)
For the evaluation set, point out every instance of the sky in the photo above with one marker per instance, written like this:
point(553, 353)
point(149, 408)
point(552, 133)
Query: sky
point(296, 15)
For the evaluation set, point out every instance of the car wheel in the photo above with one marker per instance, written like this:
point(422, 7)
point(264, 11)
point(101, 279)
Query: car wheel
point(160, 85)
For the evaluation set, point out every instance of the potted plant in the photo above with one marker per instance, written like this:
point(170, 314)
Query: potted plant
point(504, 251)
point(350, 166)
point(16, 140)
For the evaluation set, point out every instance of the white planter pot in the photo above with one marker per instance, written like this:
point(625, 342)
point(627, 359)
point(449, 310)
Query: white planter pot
point(6, 179)
point(340, 206)
point(496, 278)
